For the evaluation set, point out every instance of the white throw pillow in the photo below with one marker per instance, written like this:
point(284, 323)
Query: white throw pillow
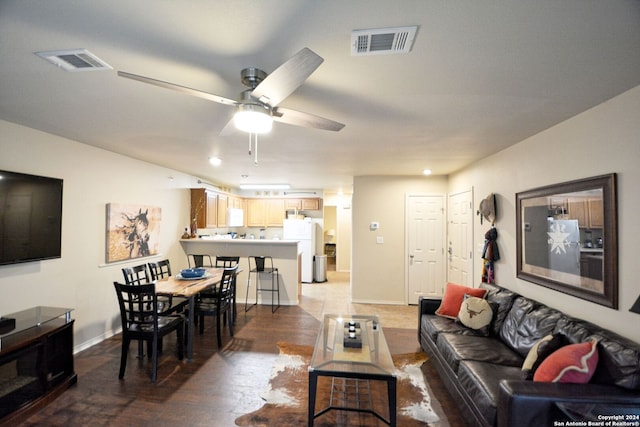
point(475, 313)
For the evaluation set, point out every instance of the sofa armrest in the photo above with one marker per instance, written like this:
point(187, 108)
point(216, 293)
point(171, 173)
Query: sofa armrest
point(528, 403)
point(426, 306)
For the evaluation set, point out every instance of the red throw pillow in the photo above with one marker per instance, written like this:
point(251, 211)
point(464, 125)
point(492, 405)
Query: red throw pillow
point(573, 363)
point(452, 299)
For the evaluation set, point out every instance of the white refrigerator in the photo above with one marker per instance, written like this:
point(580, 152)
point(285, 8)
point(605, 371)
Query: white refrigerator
point(304, 231)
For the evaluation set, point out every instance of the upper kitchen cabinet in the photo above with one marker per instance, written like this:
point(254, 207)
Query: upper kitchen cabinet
point(255, 212)
point(305, 204)
point(235, 202)
point(588, 211)
point(204, 207)
point(265, 212)
point(596, 213)
point(275, 212)
point(223, 204)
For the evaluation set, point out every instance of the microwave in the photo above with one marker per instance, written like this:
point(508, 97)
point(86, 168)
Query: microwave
point(235, 217)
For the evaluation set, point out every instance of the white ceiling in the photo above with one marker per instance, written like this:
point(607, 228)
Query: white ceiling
point(482, 76)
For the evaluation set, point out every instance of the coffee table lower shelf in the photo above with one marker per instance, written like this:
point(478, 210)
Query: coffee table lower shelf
point(352, 392)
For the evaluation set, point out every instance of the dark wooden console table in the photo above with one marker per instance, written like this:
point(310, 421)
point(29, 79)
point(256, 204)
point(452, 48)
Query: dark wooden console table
point(36, 360)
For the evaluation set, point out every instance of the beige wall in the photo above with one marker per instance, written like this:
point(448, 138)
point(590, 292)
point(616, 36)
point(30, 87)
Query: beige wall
point(378, 270)
point(602, 140)
point(92, 178)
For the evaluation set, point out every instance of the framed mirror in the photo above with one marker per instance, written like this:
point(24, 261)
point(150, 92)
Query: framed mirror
point(567, 238)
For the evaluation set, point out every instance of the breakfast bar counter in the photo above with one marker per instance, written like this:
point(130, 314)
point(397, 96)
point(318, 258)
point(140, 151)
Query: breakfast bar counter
point(285, 257)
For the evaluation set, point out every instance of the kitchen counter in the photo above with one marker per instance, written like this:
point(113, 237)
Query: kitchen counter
point(285, 258)
point(592, 250)
point(244, 241)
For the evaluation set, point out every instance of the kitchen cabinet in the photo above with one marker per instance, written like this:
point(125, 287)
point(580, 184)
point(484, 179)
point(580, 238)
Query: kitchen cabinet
point(310, 204)
point(235, 202)
point(255, 215)
point(596, 213)
point(304, 204)
point(274, 212)
point(204, 207)
point(577, 209)
point(209, 208)
point(265, 212)
point(591, 265)
point(588, 212)
point(223, 203)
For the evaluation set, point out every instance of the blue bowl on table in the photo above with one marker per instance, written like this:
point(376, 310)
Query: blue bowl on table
point(192, 273)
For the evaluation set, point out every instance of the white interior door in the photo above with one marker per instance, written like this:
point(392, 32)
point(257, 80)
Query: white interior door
point(425, 246)
point(460, 233)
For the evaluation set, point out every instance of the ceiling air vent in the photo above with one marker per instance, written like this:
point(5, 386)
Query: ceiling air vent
point(75, 60)
point(382, 41)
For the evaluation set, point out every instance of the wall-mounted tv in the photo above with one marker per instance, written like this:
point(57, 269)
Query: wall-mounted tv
point(30, 217)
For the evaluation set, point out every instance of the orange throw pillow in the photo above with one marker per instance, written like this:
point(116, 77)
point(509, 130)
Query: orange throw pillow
point(573, 363)
point(453, 297)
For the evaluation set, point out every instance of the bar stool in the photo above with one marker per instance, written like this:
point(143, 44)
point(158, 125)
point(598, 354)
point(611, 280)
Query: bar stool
point(257, 267)
point(199, 260)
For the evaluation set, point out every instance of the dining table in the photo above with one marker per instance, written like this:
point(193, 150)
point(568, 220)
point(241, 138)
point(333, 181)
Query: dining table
point(188, 288)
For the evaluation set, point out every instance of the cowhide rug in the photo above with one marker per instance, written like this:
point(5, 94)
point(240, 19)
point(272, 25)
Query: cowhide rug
point(286, 397)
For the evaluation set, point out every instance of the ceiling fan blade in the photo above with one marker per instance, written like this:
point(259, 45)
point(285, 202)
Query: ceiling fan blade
point(298, 118)
point(287, 77)
point(183, 89)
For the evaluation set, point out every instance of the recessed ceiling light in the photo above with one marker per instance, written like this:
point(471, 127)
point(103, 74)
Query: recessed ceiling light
point(264, 186)
point(426, 172)
point(215, 161)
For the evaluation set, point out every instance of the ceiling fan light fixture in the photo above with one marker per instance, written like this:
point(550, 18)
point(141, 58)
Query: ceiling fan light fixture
point(252, 118)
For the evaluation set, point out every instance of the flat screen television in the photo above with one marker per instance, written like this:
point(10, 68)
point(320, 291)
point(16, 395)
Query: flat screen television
point(30, 217)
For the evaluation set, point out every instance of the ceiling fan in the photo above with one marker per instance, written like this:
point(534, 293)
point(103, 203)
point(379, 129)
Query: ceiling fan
point(258, 106)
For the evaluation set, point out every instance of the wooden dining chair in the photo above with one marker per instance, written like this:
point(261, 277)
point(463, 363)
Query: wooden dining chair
point(218, 302)
point(142, 322)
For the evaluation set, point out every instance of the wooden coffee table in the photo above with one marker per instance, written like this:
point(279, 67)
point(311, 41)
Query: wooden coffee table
point(352, 350)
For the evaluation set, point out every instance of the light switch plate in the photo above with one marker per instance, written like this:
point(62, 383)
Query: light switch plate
point(379, 240)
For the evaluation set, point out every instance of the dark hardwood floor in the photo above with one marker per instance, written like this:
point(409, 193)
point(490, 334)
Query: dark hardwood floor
point(217, 386)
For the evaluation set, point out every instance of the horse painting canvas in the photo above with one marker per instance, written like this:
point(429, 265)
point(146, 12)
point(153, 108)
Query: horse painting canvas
point(133, 231)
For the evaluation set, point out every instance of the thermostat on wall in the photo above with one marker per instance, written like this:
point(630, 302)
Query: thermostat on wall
point(374, 226)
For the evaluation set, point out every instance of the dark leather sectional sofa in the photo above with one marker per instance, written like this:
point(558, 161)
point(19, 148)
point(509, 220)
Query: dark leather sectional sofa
point(484, 375)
